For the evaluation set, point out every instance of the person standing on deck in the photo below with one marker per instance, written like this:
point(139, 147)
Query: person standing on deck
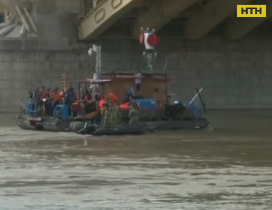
point(102, 111)
point(106, 117)
point(117, 114)
point(138, 80)
point(37, 100)
point(134, 115)
point(112, 115)
point(44, 92)
point(111, 111)
point(69, 99)
point(56, 97)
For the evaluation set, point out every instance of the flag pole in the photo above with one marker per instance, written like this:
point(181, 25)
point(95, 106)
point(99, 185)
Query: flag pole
point(150, 52)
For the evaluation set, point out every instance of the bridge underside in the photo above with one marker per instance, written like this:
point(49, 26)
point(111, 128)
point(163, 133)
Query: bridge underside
point(238, 27)
point(103, 16)
point(160, 13)
point(187, 19)
point(210, 16)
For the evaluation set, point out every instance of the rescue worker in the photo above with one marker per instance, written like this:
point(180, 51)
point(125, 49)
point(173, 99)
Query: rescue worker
point(62, 94)
point(69, 99)
point(138, 80)
point(106, 116)
point(111, 111)
point(102, 113)
point(116, 114)
point(56, 97)
point(47, 102)
point(112, 115)
point(134, 114)
point(30, 93)
point(89, 103)
point(44, 92)
point(94, 91)
point(108, 102)
point(45, 95)
point(36, 100)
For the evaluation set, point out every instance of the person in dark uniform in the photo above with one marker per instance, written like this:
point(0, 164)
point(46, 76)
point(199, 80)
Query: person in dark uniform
point(138, 80)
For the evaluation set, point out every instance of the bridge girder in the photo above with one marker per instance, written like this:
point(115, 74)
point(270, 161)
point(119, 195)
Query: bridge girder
point(237, 28)
point(103, 16)
point(212, 13)
point(160, 13)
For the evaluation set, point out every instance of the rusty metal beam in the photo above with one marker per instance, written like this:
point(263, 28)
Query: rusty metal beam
point(239, 27)
point(212, 13)
point(103, 16)
point(160, 13)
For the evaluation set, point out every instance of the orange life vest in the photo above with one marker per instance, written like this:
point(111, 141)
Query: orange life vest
point(113, 97)
point(101, 103)
point(56, 96)
point(124, 106)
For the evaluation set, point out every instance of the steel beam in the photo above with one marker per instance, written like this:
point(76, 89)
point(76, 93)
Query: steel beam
point(103, 16)
point(160, 13)
point(212, 13)
point(239, 27)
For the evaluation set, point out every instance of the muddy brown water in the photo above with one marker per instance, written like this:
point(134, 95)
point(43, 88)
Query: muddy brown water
point(226, 167)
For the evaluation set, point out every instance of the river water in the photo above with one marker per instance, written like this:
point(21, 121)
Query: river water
point(226, 167)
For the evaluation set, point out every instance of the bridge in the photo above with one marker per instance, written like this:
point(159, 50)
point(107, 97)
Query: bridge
point(204, 41)
point(195, 18)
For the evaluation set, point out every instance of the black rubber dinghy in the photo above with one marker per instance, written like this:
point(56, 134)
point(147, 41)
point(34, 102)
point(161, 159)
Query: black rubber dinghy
point(122, 130)
point(88, 129)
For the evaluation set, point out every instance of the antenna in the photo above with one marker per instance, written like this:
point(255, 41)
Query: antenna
point(97, 50)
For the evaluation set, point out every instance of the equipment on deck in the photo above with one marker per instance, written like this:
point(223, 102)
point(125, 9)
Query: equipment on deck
point(147, 104)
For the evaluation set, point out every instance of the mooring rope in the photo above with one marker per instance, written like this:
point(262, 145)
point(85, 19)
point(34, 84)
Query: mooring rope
point(29, 110)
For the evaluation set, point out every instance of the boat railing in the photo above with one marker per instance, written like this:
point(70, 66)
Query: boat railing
point(131, 75)
point(30, 111)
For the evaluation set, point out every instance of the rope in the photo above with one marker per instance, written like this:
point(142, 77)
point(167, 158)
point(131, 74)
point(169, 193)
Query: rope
point(29, 110)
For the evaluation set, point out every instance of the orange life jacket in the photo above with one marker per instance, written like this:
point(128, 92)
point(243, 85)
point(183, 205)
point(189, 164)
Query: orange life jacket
point(124, 106)
point(113, 97)
point(56, 96)
point(101, 103)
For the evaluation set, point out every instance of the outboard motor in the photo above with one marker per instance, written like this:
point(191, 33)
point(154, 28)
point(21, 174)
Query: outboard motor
point(175, 110)
point(195, 109)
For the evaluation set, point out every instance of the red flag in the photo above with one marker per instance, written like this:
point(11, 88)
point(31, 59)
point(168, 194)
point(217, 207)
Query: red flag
point(153, 40)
